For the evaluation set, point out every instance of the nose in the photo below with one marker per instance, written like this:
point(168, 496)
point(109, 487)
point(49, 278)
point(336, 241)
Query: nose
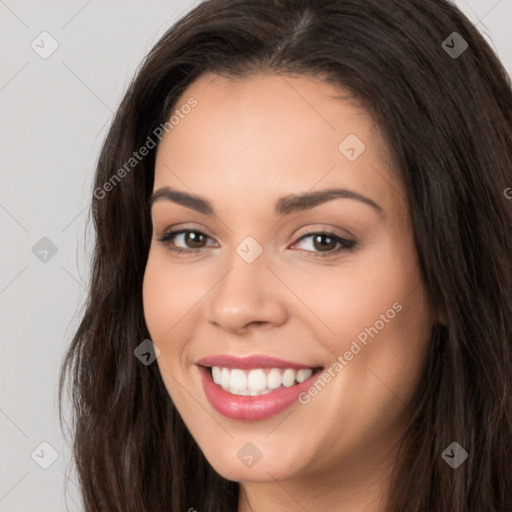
point(248, 296)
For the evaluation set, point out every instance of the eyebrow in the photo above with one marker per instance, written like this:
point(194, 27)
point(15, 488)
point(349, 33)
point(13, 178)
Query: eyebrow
point(284, 206)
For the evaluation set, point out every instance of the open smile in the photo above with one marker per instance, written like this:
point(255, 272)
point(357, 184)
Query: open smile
point(253, 388)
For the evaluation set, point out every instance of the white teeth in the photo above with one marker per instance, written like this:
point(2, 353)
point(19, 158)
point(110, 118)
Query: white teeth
point(274, 379)
point(238, 380)
point(224, 378)
point(289, 377)
point(258, 381)
point(216, 375)
point(302, 375)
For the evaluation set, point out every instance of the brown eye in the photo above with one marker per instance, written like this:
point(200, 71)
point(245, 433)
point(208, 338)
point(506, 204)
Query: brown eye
point(325, 244)
point(192, 240)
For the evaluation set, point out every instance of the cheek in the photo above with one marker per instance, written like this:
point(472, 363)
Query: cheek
point(172, 298)
point(348, 298)
point(156, 299)
point(169, 294)
point(165, 302)
point(389, 316)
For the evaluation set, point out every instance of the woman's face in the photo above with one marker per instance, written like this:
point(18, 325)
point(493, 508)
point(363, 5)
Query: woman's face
point(331, 282)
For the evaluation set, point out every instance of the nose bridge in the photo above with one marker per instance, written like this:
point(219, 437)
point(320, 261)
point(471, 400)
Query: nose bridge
point(245, 293)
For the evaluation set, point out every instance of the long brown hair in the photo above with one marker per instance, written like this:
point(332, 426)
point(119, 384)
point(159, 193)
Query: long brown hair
point(447, 119)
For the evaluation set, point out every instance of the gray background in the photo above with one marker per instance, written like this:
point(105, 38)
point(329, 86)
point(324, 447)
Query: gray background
point(54, 115)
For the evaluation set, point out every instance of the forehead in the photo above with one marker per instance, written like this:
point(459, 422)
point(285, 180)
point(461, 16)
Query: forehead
point(270, 131)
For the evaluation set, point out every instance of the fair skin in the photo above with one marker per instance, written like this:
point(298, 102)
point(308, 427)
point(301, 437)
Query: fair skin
point(246, 144)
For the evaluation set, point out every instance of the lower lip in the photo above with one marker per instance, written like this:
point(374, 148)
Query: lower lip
point(251, 408)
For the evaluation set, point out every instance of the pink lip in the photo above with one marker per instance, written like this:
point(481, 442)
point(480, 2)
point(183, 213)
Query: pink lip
point(249, 362)
point(251, 408)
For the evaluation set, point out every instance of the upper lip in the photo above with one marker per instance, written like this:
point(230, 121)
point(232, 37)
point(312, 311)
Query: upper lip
point(250, 362)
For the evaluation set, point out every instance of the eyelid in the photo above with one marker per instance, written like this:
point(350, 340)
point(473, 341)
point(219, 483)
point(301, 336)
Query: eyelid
point(170, 234)
point(325, 228)
point(344, 244)
point(185, 227)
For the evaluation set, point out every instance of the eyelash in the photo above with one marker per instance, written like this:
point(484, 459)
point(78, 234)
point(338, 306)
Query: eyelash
point(346, 245)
